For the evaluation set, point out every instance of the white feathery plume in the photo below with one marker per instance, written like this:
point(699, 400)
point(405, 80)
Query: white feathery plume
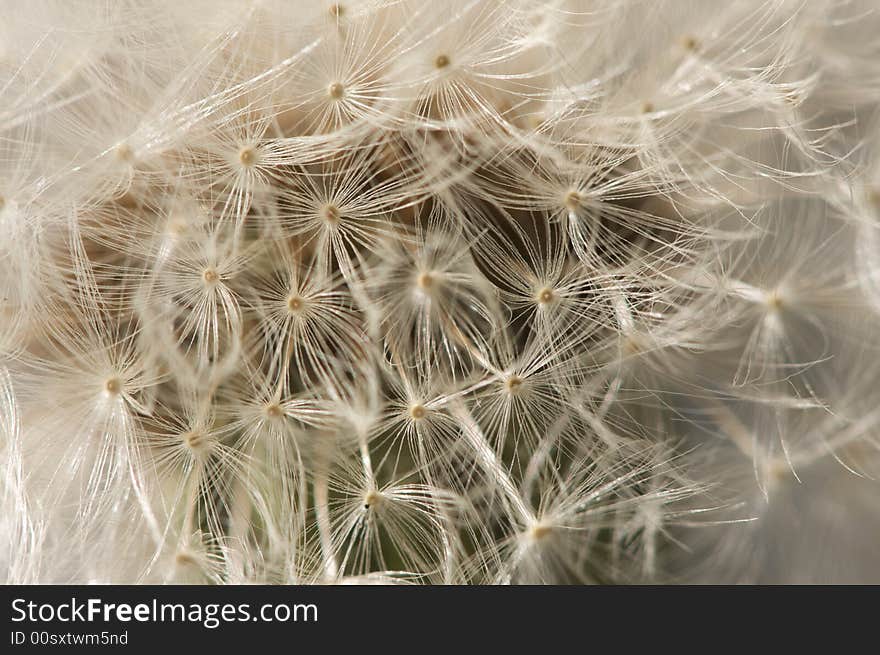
point(479, 291)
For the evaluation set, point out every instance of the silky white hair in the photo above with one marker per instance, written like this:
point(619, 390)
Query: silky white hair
point(474, 291)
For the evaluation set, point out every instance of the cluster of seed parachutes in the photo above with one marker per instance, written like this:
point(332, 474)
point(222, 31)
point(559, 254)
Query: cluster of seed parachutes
point(483, 292)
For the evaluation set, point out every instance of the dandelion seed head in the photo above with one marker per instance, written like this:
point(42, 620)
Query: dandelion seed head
point(465, 292)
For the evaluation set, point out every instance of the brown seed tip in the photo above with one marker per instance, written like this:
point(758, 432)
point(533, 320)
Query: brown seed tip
point(546, 296)
point(273, 410)
point(425, 281)
point(247, 156)
point(113, 386)
point(295, 303)
point(774, 301)
point(185, 558)
point(372, 498)
point(647, 107)
point(195, 440)
point(633, 344)
point(513, 383)
point(572, 200)
point(417, 412)
point(337, 11)
point(690, 43)
point(210, 276)
point(442, 61)
point(331, 214)
point(124, 152)
point(336, 91)
point(539, 531)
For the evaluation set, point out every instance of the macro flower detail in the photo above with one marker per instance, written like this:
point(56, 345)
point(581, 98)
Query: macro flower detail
point(468, 292)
